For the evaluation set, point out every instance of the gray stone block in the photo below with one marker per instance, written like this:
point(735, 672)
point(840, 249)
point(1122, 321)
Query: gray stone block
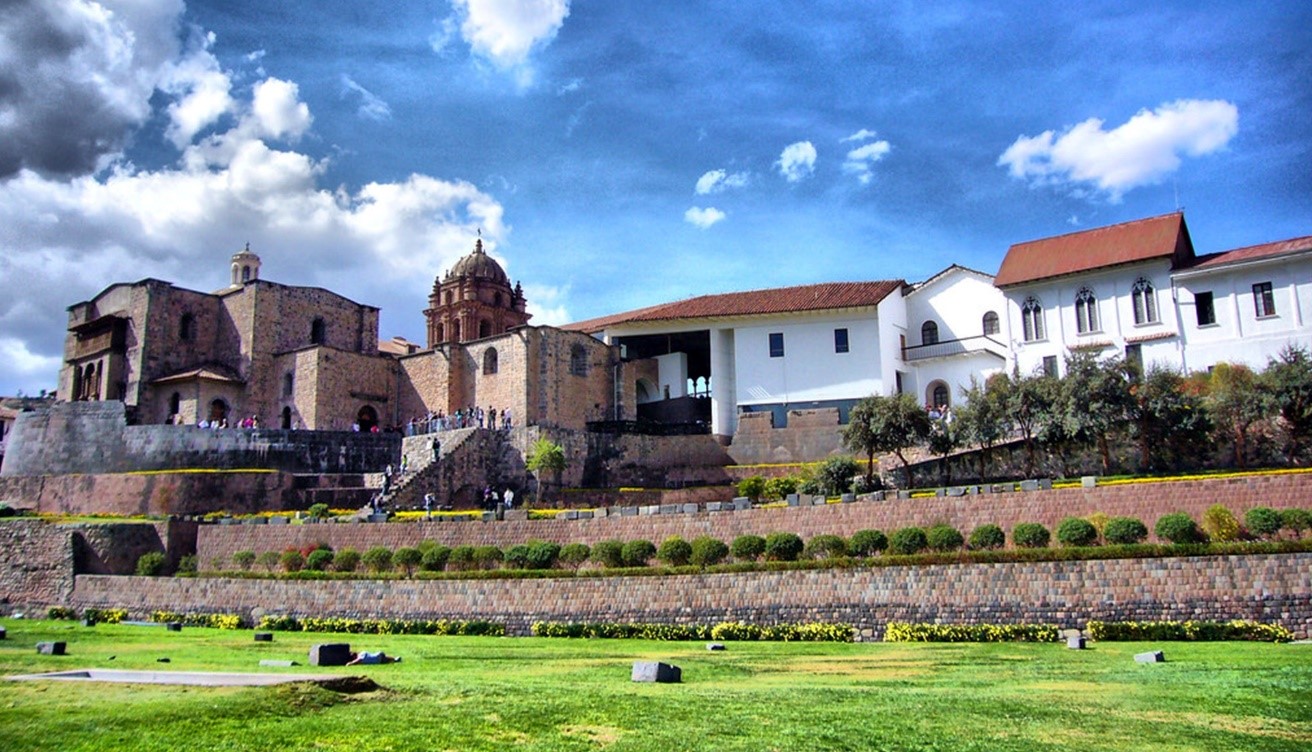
point(279, 521)
point(847, 498)
point(1029, 485)
point(653, 671)
point(628, 511)
point(793, 499)
point(1045, 484)
point(819, 501)
point(1075, 643)
point(570, 514)
point(585, 514)
point(904, 494)
point(1088, 481)
point(714, 506)
point(279, 664)
point(742, 503)
point(690, 508)
point(669, 509)
point(940, 492)
point(957, 491)
point(174, 626)
point(264, 636)
point(330, 654)
point(713, 646)
point(51, 648)
point(1154, 656)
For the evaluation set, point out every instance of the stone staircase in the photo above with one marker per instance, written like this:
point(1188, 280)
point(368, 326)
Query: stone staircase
point(425, 470)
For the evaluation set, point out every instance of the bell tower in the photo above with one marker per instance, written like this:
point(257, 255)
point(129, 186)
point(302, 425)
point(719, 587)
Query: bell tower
point(474, 300)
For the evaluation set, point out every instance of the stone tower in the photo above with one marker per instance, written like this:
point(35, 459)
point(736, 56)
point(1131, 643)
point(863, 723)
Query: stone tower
point(245, 266)
point(474, 300)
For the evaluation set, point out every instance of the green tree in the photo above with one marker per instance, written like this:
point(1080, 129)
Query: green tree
point(943, 439)
point(674, 551)
point(546, 456)
point(1094, 400)
point(886, 424)
point(1170, 425)
point(982, 420)
point(1235, 403)
point(1028, 400)
point(1288, 383)
point(407, 558)
point(835, 475)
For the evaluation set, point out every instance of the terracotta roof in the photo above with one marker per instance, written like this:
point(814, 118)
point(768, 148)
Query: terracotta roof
point(1156, 237)
point(209, 372)
point(819, 297)
point(1252, 253)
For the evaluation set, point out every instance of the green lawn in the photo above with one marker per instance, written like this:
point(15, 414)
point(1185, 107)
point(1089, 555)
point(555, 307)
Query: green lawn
point(466, 693)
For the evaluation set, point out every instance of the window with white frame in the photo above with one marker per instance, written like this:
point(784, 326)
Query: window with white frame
point(1264, 299)
point(1031, 316)
point(1145, 302)
point(1086, 311)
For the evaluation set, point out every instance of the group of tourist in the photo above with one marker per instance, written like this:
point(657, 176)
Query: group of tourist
point(939, 412)
point(470, 417)
point(251, 422)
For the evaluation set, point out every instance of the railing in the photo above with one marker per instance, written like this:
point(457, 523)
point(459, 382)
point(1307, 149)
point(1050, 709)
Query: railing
point(948, 348)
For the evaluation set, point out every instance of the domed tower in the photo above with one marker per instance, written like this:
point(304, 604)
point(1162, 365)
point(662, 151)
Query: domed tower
point(474, 300)
point(245, 266)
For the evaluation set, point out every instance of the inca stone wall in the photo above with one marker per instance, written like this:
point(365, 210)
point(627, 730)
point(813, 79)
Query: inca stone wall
point(1267, 588)
point(1147, 501)
point(38, 560)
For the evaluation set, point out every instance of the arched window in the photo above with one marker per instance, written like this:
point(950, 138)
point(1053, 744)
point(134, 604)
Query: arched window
point(245, 273)
point(1086, 311)
point(941, 395)
point(991, 323)
point(447, 297)
point(1145, 302)
point(929, 333)
point(318, 329)
point(187, 327)
point(484, 328)
point(489, 361)
point(441, 333)
point(90, 383)
point(578, 360)
point(455, 331)
point(218, 411)
point(366, 418)
point(288, 383)
point(286, 418)
point(175, 406)
point(1031, 316)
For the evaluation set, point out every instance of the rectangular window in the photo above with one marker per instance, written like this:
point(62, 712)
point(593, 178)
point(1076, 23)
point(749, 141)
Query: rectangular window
point(1050, 365)
point(1264, 299)
point(776, 344)
point(840, 340)
point(1204, 308)
point(1134, 357)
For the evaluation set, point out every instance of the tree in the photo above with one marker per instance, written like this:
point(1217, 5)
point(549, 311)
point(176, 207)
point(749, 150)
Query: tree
point(1170, 424)
point(546, 456)
point(1028, 400)
point(886, 424)
point(1287, 381)
point(943, 439)
point(1094, 400)
point(983, 420)
point(835, 475)
point(1235, 403)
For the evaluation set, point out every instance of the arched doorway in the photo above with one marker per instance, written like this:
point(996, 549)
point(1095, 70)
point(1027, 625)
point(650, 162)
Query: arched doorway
point(938, 395)
point(367, 418)
point(646, 392)
point(286, 418)
point(218, 411)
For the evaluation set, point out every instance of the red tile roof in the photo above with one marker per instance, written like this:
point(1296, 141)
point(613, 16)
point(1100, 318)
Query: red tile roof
point(1156, 237)
point(820, 297)
point(1252, 253)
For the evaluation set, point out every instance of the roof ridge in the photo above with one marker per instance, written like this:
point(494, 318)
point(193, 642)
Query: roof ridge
point(1118, 225)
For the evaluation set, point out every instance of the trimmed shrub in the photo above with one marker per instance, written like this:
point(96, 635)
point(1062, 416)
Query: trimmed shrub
point(1296, 521)
point(825, 547)
point(377, 559)
point(747, 547)
point(1212, 631)
point(435, 557)
point(778, 488)
point(319, 560)
point(944, 538)
point(61, 612)
point(488, 557)
point(897, 631)
point(781, 546)
point(573, 555)
point(1124, 531)
point(608, 553)
point(244, 560)
point(707, 551)
point(867, 543)
point(1030, 535)
point(346, 560)
point(291, 560)
point(407, 558)
point(517, 556)
point(1076, 531)
point(461, 558)
point(674, 551)
point(987, 538)
point(752, 487)
point(1264, 522)
point(637, 553)
point(268, 560)
point(1178, 528)
point(318, 512)
point(542, 554)
point(151, 564)
point(836, 474)
point(907, 540)
point(1220, 524)
point(1099, 521)
point(187, 566)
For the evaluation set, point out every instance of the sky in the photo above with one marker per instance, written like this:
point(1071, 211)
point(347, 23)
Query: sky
point(617, 154)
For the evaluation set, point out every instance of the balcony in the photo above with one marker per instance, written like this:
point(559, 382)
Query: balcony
point(953, 347)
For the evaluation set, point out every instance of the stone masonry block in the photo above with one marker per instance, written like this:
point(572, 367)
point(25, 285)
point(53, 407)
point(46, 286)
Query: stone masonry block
point(653, 671)
point(330, 654)
point(57, 648)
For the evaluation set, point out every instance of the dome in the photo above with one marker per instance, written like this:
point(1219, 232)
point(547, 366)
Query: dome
point(479, 265)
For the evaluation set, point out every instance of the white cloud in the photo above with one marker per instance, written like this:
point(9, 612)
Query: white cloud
point(278, 110)
point(547, 305)
point(371, 107)
point(569, 87)
point(797, 161)
point(1142, 151)
point(203, 92)
point(859, 160)
point(703, 218)
point(505, 32)
point(861, 135)
point(24, 364)
point(716, 181)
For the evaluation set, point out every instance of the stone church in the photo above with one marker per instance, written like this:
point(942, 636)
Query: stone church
point(304, 357)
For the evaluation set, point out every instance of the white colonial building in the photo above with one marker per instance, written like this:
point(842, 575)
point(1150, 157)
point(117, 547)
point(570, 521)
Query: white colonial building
point(1135, 289)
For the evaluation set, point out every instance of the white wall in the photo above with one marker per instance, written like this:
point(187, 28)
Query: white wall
point(957, 302)
point(810, 370)
point(673, 375)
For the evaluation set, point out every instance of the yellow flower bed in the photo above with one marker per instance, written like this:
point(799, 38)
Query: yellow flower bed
point(420, 514)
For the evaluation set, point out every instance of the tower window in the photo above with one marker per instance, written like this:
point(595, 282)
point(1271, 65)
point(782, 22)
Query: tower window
point(187, 327)
point(317, 331)
point(489, 361)
point(578, 360)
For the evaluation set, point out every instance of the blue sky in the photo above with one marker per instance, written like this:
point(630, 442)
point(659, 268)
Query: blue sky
point(617, 154)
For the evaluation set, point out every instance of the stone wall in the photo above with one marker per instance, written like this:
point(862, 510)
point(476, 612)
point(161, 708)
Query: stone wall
point(1147, 501)
point(92, 437)
point(177, 493)
point(1267, 588)
point(811, 435)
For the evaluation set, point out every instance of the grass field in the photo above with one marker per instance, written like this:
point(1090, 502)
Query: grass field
point(466, 693)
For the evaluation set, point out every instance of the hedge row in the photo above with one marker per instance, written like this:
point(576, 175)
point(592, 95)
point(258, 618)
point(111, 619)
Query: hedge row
point(809, 632)
point(214, 621)
point(897, 631)
point(1207, 631)
point(382, 626)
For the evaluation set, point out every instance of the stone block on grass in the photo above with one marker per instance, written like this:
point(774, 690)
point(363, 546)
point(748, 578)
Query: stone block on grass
point(3, 633)
point(1088, 481)
point(715, 646)
point(1154, 656)
point(1075, 643)
point(174, 626)
point(264, 636)
point(330, 654)
point(51, 648)
point(655, 671)
point(277, 664)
